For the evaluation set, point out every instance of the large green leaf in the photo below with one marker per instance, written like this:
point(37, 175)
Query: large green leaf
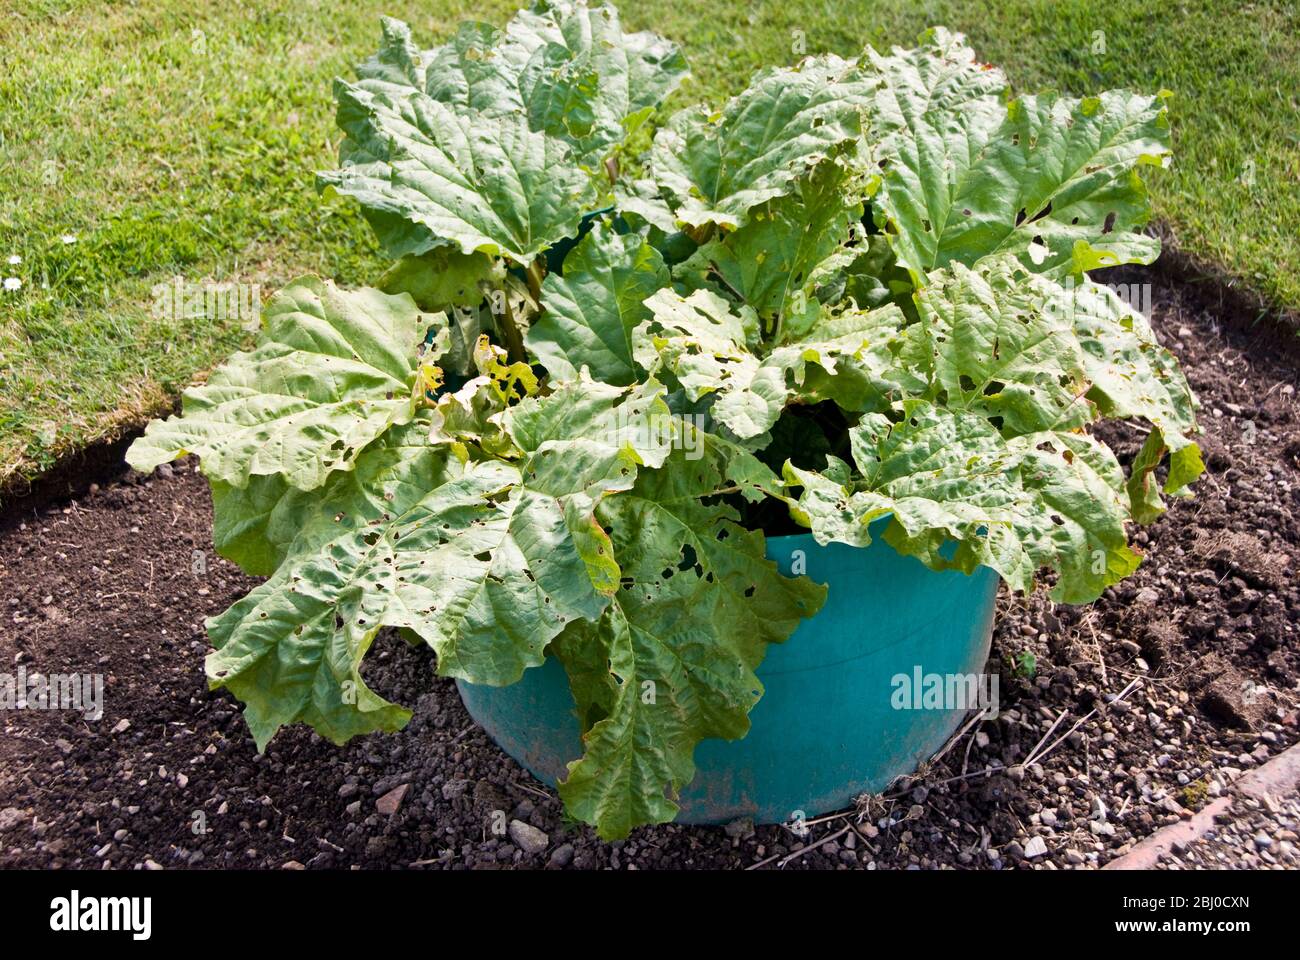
point(772, 262)
point(333, 370)
point(1046, 500)
point(292, 649)
point(567, 67)
point(672, 661)
point(967, 174)
point(590, 311)
point(486, 566)
point(444, 278)
point(256, 525)
point(1035, 354)
point(1131, 374)
point(589, 81)
point(715, 168)
point(427, 176)
point(992, 340)
point(487, 143)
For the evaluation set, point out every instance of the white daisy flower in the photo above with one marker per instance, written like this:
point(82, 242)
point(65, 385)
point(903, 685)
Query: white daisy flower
point(12, 283)
point(15, 260)
point(69, 238)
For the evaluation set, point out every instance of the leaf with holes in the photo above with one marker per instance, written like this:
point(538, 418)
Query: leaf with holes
point(715, 168)
point(332, 371)
point(672, 661)
point(772, 262)
point(714, 351)
point(486, 564)
point(960, 495)
point(967, 173)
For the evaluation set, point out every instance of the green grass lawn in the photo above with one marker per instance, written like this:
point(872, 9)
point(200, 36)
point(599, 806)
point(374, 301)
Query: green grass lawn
point(142, 141)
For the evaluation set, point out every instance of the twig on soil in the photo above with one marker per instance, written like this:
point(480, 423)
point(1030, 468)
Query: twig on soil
point(802, 850)
point(1055, 723)
point(986, 772)
point(457, 738)
point(1091, 620)
point(965, 760)
point(1132, 684)
point(533, 790)
point(812, 823)
point(957, 736)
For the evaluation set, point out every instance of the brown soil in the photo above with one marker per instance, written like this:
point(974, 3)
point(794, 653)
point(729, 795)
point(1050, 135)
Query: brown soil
point(112, 583)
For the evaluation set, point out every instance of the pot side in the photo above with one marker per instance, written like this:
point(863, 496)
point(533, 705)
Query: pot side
point(829, 725)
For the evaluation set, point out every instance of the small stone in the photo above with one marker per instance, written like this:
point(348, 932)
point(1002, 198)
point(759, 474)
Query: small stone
point(740, 829)
point(152, 865)
point(65, 748)
point(1036, 847)
point(10, 817)
point(182, 781)
point(292, 865)
point(1047, 818)
point(528, 838)
point(122, 726)
point(454, 789)
point(562, 856)
point(1263, 841)
point(389, 802)
point(1074, 857)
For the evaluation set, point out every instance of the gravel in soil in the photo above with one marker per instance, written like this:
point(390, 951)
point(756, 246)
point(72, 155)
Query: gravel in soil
point(1201, 643)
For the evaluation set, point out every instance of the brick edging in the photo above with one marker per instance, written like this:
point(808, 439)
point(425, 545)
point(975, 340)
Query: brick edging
point(1278, 775)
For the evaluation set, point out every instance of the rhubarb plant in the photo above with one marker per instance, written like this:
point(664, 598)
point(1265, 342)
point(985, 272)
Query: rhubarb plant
point(856, 299)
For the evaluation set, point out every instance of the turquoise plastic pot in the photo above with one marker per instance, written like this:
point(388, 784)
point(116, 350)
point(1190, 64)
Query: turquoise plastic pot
point(829, 726)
